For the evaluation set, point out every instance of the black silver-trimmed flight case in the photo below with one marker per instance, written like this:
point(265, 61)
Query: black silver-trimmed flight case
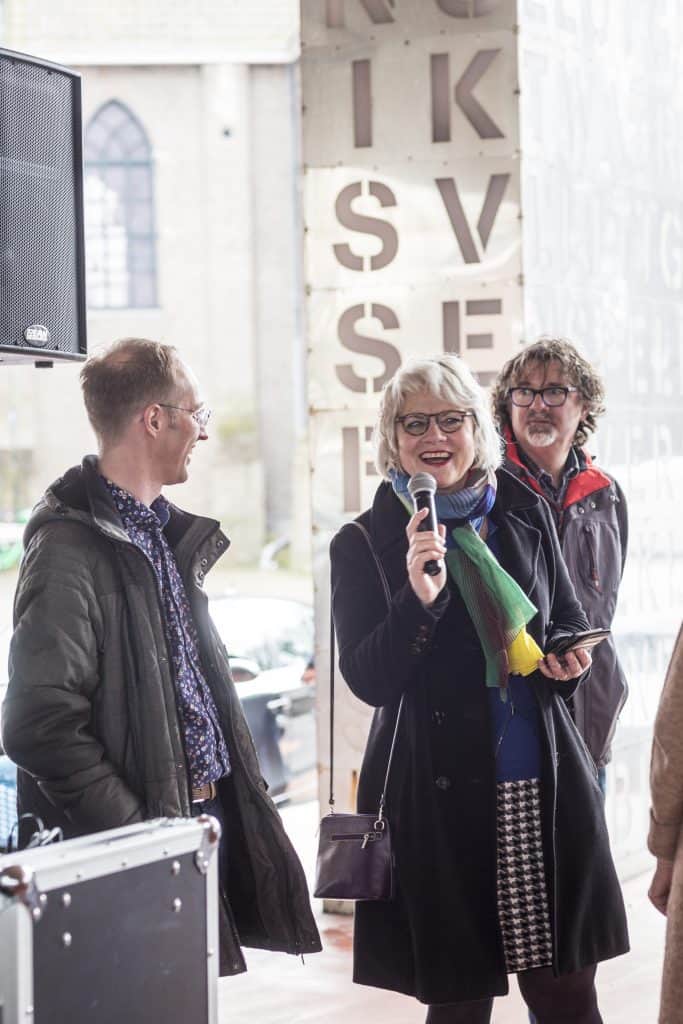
point(120, 927)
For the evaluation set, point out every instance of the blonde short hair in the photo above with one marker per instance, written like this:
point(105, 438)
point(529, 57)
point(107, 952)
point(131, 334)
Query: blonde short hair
point(447, 377)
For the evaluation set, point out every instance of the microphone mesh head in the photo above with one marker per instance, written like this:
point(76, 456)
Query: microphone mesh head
point(422, 482)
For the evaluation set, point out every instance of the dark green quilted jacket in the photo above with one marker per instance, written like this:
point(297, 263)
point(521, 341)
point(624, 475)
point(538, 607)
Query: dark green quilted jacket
point(90, 715)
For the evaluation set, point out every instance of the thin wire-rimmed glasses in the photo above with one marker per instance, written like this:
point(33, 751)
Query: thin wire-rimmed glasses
point(551, 396)
point(417, 423)
point(201, 416)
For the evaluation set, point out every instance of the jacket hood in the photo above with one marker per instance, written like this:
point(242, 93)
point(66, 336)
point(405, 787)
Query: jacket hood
point(81, 495)
point(76, 495)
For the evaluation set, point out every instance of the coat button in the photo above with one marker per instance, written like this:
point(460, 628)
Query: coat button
point(443, 782)
point(593, 504)
point(438, 717)
point(204, 562)
point(581, 510)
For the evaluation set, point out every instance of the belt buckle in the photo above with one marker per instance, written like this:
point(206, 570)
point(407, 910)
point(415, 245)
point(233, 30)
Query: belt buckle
point(212, 792)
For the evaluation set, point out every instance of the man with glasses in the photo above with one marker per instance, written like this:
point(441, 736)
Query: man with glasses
point(120, 705)
point(547, 401)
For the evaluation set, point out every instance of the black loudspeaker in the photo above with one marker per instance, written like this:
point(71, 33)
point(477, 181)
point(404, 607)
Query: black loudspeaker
point(42, 261)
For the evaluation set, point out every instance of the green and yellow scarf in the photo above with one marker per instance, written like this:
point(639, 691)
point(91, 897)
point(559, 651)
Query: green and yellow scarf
point(497, 605)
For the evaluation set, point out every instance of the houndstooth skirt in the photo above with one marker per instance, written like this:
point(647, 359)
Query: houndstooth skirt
point(522, 891)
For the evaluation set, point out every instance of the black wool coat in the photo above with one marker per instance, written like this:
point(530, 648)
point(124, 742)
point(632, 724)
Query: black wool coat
point(440, 938)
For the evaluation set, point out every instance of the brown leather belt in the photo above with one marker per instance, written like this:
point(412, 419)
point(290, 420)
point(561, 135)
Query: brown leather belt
point(206, 792)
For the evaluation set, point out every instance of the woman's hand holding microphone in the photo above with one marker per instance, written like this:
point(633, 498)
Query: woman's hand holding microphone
point(425, 546)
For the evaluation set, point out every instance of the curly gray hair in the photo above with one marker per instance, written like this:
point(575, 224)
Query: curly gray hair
point(448, 377)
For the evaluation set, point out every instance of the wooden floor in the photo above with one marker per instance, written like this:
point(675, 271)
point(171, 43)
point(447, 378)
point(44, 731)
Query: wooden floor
point(278, 989)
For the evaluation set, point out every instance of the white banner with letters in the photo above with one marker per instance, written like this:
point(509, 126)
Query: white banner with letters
point(413, 242)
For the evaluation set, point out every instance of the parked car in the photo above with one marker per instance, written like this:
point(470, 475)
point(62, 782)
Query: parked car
point(8, 800)
point(270, 641)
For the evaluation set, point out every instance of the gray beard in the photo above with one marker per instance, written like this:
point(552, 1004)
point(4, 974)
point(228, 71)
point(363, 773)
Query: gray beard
point(540, 435)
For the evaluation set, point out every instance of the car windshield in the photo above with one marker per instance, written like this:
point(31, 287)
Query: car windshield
point(273, 631)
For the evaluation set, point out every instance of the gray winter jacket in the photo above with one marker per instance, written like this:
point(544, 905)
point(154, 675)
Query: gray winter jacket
point(594, 539)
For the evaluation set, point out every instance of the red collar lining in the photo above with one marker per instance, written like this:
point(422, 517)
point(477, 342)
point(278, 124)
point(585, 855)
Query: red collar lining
point(586, 482)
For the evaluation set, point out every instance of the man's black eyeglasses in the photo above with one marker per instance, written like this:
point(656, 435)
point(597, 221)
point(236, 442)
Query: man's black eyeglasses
point(553, 396)
point(201, 416)
point(417, 423)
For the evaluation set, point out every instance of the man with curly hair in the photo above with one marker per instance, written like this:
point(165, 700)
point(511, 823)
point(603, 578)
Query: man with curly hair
point(547, 401)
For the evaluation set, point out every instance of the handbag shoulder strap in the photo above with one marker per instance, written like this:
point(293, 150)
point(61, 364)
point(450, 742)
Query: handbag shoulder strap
point(375, 558)
point(387, 594)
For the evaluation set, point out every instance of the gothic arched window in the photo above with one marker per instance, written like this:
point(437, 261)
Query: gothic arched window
point(119, 211)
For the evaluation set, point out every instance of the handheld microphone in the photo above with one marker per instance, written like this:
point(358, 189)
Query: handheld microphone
point(422, 488)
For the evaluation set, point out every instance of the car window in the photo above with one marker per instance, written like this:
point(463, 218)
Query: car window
point(273, 631)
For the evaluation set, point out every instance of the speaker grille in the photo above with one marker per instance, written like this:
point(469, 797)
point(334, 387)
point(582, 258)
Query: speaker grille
point(41, 255)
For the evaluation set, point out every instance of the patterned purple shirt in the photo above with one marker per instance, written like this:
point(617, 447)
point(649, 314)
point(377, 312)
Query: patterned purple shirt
point(207, 753)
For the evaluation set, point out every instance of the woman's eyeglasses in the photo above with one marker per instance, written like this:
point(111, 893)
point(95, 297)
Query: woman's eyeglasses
point(552, 396)
point(417, 423)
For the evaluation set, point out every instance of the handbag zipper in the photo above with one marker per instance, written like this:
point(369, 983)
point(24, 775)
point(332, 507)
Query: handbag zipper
point(367, 837)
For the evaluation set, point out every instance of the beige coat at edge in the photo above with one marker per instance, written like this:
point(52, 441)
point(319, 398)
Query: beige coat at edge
point(666, 822)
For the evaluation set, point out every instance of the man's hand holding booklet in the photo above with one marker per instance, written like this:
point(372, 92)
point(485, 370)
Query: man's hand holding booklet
point(586, 640)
